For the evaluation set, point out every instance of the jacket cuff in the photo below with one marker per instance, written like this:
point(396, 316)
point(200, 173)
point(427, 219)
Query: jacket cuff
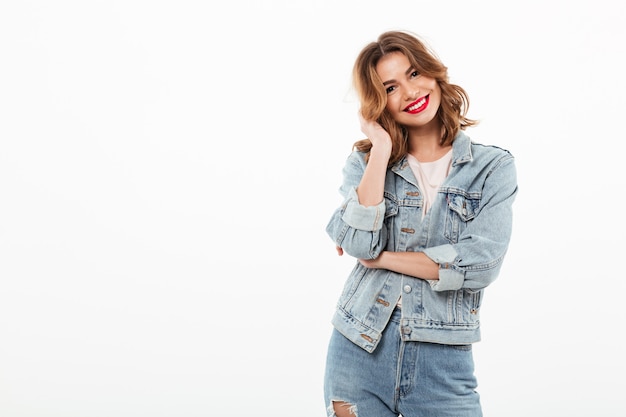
point(361, 217)
point(449, 277)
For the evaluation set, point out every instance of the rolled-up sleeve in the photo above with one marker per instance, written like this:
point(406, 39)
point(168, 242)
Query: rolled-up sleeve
point(450, 278)
point(361, 217)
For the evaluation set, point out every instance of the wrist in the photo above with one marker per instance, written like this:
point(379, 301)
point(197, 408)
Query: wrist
point(382, 258)
point(380, 152)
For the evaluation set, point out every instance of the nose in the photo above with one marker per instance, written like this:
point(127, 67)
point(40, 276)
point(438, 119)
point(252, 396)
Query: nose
point(411, 95)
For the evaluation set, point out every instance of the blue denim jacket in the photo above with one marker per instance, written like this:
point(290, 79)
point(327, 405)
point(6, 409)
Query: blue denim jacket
point(467, 232)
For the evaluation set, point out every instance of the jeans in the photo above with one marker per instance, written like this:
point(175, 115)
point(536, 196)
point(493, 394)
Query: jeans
point(412, 379)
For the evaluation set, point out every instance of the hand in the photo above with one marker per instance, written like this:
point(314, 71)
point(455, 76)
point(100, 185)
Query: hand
point(375, 133)
point(339, 250)
point(371, 263)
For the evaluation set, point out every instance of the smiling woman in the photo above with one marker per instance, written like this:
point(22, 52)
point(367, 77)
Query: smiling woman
point(420, 202)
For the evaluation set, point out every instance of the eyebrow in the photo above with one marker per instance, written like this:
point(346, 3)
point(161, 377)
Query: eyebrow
point(407, 72)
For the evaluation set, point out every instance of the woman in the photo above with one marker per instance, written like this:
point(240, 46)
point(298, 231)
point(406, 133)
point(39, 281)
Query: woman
point(428, 215)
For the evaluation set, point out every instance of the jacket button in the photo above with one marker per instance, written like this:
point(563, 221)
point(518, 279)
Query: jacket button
point(366, 337)
point(383, 302)
point(406, 330)
point(407, 289)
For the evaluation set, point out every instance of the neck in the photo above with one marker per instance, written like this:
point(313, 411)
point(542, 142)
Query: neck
point(425, 144)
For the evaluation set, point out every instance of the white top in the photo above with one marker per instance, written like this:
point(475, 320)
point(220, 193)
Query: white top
point(430, 176)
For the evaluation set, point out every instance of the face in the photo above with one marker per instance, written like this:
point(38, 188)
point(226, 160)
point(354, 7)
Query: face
point(412, 99)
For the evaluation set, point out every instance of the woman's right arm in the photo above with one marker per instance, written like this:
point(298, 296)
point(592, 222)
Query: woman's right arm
point(372, 186)
point(357, 226)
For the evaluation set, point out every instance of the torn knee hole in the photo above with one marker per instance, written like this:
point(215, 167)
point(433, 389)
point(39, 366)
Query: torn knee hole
point(344, 409)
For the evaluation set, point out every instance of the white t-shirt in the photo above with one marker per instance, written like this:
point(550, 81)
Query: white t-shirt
point(430, 176)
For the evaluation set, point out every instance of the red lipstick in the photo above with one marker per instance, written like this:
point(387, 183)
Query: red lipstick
point(418, 105)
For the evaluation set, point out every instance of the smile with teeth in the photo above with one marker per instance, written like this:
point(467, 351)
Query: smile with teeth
point(417, 106)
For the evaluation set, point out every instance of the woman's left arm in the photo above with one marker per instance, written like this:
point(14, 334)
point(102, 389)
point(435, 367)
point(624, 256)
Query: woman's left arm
point(415, 264)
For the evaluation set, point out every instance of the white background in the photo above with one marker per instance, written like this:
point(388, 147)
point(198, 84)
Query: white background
point(167, 169)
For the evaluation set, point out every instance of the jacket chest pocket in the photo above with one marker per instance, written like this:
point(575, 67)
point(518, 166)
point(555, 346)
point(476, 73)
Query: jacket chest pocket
point(462, 208)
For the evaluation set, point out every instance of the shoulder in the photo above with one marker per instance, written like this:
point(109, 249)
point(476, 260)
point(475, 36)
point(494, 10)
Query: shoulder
point(480, 157)
point(479, 151)
point(492, 159)
point(490, 151)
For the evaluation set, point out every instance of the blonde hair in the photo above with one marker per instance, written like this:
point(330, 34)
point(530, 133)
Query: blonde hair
point(373, 97)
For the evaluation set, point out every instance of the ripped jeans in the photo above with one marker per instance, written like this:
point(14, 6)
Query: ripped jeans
point(401, 378)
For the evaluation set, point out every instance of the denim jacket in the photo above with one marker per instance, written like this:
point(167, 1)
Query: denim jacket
point(467, 232)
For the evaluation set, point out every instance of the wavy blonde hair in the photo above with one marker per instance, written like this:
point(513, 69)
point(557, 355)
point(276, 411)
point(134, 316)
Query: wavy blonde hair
point(373, 97)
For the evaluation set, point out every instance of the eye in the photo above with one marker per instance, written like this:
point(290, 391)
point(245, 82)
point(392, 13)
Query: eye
point(415, 74)
point(390, 89)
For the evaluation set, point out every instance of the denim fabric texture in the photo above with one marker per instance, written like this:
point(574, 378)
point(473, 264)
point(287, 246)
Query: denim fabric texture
point(414, 379)
point(467, 232)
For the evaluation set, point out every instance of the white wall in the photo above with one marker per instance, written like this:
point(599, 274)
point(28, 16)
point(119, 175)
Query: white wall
point(167, 169)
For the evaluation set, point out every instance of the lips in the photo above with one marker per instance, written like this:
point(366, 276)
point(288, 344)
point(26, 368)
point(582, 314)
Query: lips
point(418, 105)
